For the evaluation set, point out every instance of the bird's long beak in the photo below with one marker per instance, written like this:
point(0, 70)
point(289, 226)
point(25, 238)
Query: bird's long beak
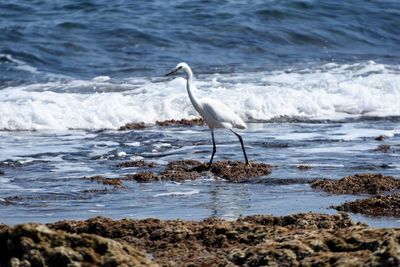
point(173, 71)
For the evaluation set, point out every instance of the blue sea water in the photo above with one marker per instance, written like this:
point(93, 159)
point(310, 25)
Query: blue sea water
point(315, 80)
point(122, 38)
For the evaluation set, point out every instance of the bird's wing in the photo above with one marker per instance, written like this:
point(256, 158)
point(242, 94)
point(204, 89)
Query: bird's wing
point(219, 112)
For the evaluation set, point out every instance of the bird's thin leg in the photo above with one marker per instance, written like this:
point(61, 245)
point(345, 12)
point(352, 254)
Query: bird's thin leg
point(214, 148)
point(244, 151)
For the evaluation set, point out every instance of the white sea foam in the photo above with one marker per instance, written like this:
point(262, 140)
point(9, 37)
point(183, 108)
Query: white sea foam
point(331, 91)
point(178, 193)
point(19, 64)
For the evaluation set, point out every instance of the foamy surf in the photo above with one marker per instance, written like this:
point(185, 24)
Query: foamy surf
point(178, 193)
point(328, 92)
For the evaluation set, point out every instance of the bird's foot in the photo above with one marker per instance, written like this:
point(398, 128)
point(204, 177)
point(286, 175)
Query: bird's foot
point(208, 165)
point(248, 164)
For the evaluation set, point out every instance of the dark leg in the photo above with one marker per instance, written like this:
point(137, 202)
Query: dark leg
point(244, 151)
point(214, 147)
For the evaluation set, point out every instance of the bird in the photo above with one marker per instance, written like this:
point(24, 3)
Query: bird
point(215, 113)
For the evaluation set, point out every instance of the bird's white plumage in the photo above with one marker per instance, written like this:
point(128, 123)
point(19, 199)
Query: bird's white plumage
point(215, 113)
point(218, 115)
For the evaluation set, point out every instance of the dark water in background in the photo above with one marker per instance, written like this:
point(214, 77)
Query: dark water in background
point(123, 38)
point(325, 73)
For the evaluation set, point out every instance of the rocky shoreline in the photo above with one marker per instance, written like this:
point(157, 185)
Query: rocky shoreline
point(307, 239)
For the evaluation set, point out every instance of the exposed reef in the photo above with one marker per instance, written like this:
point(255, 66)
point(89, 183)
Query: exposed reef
point(132, 126)
point(307, 239)
point(182, 122)
point(37, 245)
point(380, 205)
point(368, 183)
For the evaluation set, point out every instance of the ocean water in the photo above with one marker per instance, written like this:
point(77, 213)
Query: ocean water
point(316, 81)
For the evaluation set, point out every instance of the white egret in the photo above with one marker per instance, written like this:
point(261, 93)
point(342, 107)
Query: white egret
point(215, 113)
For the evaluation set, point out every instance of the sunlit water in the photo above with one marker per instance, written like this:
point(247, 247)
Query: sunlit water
point(52, 164)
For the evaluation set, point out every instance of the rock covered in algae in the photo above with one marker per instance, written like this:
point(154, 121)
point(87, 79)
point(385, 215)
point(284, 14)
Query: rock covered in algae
point(132, 126)
point(182, 122)
point(367, 183)
point(388, 205)
point(136, 163)
point(116, 182)
point(307, 239)
point(37, 245)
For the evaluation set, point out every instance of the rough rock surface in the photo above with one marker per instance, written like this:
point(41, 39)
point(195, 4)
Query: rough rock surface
point(380, 138)
point(233, 171)
point(37, 245)
point(136, 163)
point(304, 167)
point(297, 240)
point(116, 182)
point(182, 122)
point(132, 126)
point(142, 177)
point(375, 206)
point(384, 149)
point(181, 170)
point(368, 183)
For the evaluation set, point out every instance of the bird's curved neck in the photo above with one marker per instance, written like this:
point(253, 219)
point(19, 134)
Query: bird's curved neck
point(190, 88)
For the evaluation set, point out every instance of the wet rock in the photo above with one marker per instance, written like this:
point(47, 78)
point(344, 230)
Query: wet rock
point(96, 191)
point(180, 176)
point(182, 122)
point(368, 183)
point(233, 171)
point(304, 167)
point(132, 126)
point(1, 172)
point(41, 199)
point(142, 177)
point(388, 205)
point(372, 167)
point(383, 149)
point(11, 164)
point(184, 165)
point(181, 170)
point(37, 245)
point(136, 163)
point(380, 138)
point(280, 181)
point(116, 182)
point(307, 239)
point(236, 171)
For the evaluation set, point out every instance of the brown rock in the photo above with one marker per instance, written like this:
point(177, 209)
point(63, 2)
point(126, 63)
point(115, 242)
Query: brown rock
point(182, 122)
point(37, 245)
point(132, 126)
point(304, 167)
point(142, 177)
point(236, 171)
point(116, 182)
point(179, 176)
point(383, 149)
point(368, 183)
point(233, 171)
point(375, 206)
point(380, 138)
point(307, 239)
point(136, 163)
point(183, 165)
point(96, 191)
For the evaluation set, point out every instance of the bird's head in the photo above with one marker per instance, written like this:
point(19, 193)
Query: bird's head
point(180, 66)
